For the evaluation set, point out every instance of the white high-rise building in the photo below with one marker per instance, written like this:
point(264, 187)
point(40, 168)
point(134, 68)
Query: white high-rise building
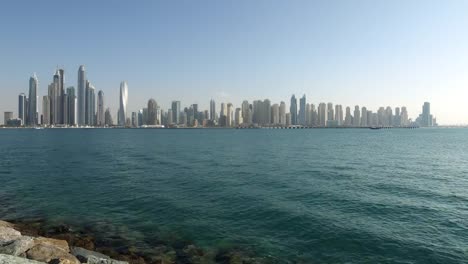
point(122, 118)
point(229, 115)
point(275, 114)
point(322, 115)
point(81, 96)
point(364, 117)
point(357, 116)
point(348, 117)
point(339, 115)
point(282, 113)
point(212, 110)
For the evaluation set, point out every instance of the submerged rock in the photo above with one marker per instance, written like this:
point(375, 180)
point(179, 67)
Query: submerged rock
point(8, 259)
point(84, 254)
point(97, 260)
point(17, 247)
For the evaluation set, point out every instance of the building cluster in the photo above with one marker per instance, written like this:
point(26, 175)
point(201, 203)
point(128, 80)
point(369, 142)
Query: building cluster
point(79, 108)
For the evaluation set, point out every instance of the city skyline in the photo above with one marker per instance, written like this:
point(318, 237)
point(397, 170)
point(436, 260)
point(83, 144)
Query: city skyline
point(364, 53)
point(62, 107)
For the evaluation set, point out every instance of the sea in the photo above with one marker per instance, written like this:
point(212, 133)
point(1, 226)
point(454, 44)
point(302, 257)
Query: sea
point(288, 195)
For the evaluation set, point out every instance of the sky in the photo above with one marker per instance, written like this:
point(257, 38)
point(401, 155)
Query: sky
point(361, 52)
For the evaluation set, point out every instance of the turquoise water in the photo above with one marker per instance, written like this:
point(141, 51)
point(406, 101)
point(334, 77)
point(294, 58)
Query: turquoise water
point(315, 195)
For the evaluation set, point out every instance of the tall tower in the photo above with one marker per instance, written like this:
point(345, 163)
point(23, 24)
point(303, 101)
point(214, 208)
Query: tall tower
point(176, 112)
point(81, 95)
point(282, 113)
point(61, 93)
point(152, 113)
point(32, 103)
point(22, 113)
point(100, 109)
point(426, 115)
point(302, 110)
point(212, 110)
point(293, 110)
point(123, 103)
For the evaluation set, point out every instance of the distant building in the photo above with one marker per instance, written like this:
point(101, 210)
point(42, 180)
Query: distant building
point(122, 118)
point(32, 104)
point(46, 110)
point(6, 117)
point(22, 108)
point(100, 117)
point(293, 110)
point(357, 117)
point(81, 98)
point(108, 118)
point(282, 114)
point(176, 112)
point(322, 115)
point(152, 113)
point(302, 111)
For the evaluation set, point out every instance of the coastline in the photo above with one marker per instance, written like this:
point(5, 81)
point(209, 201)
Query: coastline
point(35, 240)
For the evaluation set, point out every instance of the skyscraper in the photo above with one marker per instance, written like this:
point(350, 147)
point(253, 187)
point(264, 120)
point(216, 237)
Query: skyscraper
point(293, 110)
point(348, 117)
point(212, 110)
point(426, 118)
point(282, 113)
point(357, 116)
point(364, 117)
point(122, 118)
point(322, 115)
point(72, 106)
point(108, 118)
point(22, 109)
point(238, 117)
point(81, 95)
point(176, 112)
point(152, 109)
point(229, 115)
point(339, 115)
point(302, 110)
point(45, 110)
point(275, 114)
point(32, 104)
point(101, 120)
point(246, 112)
point(330, 112)
point(90, 105)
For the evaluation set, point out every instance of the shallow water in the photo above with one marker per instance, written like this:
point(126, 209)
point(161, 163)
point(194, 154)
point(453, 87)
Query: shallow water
point(321, 195)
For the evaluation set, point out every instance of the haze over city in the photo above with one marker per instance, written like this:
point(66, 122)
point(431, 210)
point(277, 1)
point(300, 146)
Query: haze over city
point(350, 53)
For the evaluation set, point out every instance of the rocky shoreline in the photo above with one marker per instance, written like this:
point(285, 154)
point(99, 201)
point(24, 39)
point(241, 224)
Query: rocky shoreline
point(32, 242)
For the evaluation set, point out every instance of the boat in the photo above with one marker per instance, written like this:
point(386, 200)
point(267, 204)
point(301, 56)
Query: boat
point(375, 127)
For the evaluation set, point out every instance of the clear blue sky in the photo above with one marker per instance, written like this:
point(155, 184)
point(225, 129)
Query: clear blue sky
point(368, 53)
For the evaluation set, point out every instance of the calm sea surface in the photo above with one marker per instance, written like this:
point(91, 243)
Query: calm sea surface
point(317, 195)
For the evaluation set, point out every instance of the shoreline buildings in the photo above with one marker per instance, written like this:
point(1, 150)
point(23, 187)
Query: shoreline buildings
point(66, 108)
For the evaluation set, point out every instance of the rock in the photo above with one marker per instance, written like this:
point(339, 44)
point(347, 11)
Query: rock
point(83, 254)
point(61, 261)
point(97, 260)
point(8, 259)
point(61, 244)
point(6, 224)
point(47, 253)
point(8, 234)
point(18, 247)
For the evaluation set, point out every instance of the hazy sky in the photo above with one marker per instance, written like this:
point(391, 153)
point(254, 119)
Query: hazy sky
point(367, 53)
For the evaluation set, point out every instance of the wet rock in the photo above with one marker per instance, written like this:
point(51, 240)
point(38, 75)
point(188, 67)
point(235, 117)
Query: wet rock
point(8, 234)
point(61, 244)
point(8, 259)
point(84, 254)
point(18, 247)
point(6, 224)
point(97, 260)
point(47, 253)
